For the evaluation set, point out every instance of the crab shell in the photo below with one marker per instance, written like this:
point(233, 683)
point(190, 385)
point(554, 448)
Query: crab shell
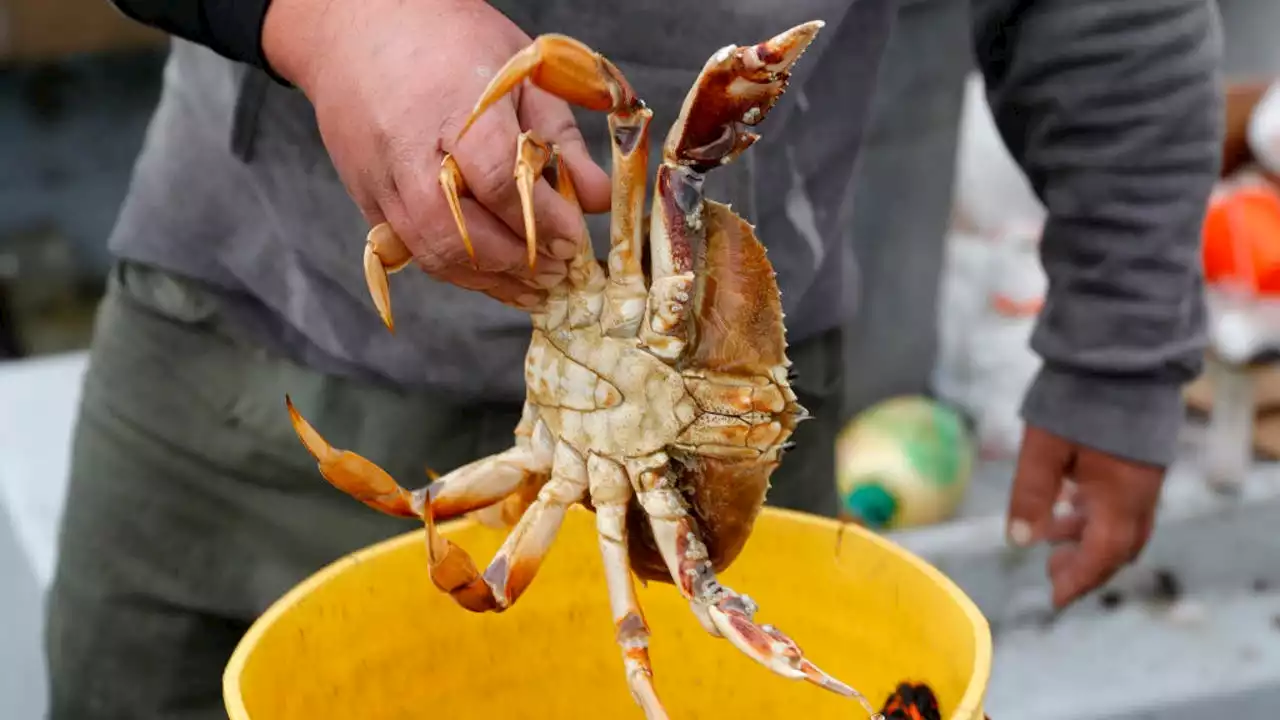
point(737, 331)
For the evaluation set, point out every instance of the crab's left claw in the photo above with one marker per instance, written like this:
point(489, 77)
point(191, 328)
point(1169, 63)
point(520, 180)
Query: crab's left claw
point(779, 53)
point(736, 89)
point(384, 253)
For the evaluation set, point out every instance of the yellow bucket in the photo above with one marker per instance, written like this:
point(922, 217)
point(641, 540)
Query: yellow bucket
point(370, 637)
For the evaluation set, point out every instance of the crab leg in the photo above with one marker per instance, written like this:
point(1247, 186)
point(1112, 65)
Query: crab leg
point(722, 612)
point(577, 74)
point(455, 186)
point(517, 561)
point(471, 487)
point(384, 254)
point(452, 570)
point(736, 89)
point(581, 298)
point(610, 493)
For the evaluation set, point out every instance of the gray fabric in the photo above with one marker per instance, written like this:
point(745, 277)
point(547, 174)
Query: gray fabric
point(901, 205)
point(1115, 111)
point(1122, 146)
point(193, 506)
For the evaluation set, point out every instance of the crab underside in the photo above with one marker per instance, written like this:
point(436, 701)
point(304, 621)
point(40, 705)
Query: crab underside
point(659, 400)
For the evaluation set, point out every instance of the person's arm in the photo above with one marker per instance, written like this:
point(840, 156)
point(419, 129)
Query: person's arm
point(1114, 110)
point(231, 28)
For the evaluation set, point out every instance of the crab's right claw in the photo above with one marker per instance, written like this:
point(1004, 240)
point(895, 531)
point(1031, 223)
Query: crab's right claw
point(384, 253)
point(564, 67)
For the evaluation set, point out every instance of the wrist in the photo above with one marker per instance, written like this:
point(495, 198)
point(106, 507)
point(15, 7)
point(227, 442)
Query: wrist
point(290, 32)
point(1136, 419)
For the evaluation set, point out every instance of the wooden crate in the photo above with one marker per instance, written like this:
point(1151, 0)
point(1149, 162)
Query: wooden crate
point(1266, 428)
point(35, 30)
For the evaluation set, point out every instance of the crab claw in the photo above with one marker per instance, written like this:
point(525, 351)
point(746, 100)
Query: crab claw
point(732, 617)
point(564, 67)
point(737, 87)
point(779, 53)
point(384, 253)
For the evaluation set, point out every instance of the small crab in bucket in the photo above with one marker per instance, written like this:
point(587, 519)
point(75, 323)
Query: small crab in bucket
point(661, 401)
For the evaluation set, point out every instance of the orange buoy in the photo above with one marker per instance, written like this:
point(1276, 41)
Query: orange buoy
point(1241, 240)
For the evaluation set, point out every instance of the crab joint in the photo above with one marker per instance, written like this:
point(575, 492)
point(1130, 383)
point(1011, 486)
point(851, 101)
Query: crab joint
point(564, 67)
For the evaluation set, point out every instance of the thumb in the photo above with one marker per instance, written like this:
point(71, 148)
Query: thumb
point(552, 119)
point(1042, 462)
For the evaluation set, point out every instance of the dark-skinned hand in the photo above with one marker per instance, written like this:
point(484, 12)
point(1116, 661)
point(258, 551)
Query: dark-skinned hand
point(1113, 510)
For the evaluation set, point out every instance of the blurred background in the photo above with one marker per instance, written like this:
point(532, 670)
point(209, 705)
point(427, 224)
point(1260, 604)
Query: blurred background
point(1192, 630)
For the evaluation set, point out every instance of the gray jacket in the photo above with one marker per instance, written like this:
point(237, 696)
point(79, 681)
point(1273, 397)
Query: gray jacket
point(1112, 109)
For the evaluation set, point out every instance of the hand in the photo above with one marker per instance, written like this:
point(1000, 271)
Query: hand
point(1114, 504)
point(392, 84)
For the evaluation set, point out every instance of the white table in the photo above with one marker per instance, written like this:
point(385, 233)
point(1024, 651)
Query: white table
point(38, 402)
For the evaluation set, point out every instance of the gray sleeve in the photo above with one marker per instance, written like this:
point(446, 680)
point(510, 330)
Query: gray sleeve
point(1114, 111)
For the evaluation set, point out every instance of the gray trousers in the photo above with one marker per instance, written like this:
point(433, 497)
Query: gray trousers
point(901, 204)
point(193, 506)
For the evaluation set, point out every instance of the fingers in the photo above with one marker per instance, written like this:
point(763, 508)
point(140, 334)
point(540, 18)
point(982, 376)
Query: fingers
point(500, 269)
point(1107, 545)
point(1065, 529)
point(443, 250)
point(503, 288)
point(1113, 518)
point(554, 122)
point(486, 155)
point(1042, 463)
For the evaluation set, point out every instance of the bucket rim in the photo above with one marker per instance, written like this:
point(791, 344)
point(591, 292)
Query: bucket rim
point(971, 702)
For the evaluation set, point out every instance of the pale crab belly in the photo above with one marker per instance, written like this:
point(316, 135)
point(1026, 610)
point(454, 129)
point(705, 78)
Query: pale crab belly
point(605, 395)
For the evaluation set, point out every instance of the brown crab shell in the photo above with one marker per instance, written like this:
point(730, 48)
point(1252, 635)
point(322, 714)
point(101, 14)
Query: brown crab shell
point(738, 330)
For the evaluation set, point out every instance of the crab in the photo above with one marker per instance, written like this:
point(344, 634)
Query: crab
point(660, 401)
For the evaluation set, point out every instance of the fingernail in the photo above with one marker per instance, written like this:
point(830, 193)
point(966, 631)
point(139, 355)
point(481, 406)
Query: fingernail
point(563, 249)
point(528, 300)
point(548, 279)
point(1020, 533)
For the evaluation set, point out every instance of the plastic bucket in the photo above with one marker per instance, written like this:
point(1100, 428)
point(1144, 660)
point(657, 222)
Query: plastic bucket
point(371, 638)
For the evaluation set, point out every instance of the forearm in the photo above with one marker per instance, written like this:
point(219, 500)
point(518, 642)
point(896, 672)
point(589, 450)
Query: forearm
point(1114, 110)
point(232, 28)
